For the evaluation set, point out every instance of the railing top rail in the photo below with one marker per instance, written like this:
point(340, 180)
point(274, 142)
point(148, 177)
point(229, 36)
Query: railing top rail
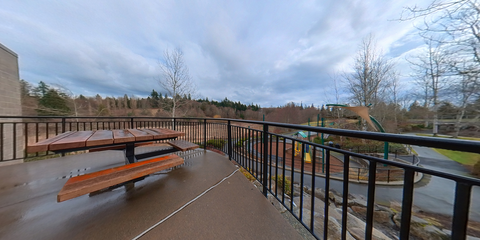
point(452, 144)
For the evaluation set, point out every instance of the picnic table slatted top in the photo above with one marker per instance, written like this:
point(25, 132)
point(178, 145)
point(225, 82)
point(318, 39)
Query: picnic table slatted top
point(80, 139)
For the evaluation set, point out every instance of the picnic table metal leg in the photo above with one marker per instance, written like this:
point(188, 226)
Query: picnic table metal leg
point(130, 153)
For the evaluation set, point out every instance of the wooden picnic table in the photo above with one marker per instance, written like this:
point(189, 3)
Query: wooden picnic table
point(125, 139)
point(82, 140)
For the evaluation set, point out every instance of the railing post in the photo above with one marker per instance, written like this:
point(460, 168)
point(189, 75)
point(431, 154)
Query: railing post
point(265, 156)
point(205, 133)
point(229, 130)
point(131, 122)
point(63, 124)
point(174, 123)
point(25, 152)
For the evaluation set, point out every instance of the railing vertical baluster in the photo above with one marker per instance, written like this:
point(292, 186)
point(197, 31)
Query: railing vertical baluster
point(346, 176)
point(25, 151)
point(1, 142)
point(36, 135)
point(47, 130)
point(14, 140)
point(276, 168)
point(407, 203)
point(283, 169)
point(204, 133)
point(312, 194)
point(302, 171)
point(249, 150)
point(327, 193)
point(270, 166)
point(131, 122)
point(460, 210)
point(265, 157)
point(229, 142)
point(63, 125)
point(292, 170)
point(372, 173)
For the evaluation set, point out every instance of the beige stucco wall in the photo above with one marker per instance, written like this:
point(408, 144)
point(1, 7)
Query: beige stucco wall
point(10, 105)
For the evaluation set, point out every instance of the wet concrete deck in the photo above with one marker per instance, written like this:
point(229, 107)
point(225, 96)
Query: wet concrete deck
point(234, 209)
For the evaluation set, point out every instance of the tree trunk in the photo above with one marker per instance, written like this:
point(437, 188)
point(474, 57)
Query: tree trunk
point(458, 123)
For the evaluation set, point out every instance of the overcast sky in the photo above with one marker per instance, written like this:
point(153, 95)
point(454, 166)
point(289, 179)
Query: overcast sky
point(266, 52)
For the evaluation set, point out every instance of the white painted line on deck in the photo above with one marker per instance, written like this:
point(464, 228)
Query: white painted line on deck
point(182, 207)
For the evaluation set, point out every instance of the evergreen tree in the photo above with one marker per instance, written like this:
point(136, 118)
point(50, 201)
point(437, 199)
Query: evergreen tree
point(154, 95)
point(52, 104)
point(41, 89)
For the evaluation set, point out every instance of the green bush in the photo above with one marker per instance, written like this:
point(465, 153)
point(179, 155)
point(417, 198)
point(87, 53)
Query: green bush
point(217, 143)
point(241, 141)
point(284, 186)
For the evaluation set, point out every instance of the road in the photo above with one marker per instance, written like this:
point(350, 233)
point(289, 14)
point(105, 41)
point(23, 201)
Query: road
point(432, 194)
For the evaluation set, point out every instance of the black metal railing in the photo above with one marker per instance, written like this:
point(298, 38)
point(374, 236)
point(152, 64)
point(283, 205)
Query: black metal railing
point(284, 165)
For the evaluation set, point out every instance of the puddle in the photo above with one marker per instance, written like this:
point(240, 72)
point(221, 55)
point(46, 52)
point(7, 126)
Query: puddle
point(73, 173)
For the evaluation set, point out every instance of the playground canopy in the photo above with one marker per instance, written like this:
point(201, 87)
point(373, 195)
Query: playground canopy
point(301, 134)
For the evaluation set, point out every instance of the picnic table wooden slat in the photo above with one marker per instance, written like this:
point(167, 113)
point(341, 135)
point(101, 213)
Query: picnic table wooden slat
point(76, 140)
point(121, 136)
point(168, 133)
point(42, 146)
point(140, 135)
point(95, 181)
point(156, 135)
point(100, 137)
point(183, 145)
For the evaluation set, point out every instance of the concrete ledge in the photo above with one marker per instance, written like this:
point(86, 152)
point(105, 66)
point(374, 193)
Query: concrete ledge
point(10, 162)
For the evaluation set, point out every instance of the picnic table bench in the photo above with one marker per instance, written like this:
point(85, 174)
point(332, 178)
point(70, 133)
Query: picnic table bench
point(127, 140)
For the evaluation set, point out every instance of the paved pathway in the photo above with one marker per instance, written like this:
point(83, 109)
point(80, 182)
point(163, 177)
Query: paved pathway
point(234, 209)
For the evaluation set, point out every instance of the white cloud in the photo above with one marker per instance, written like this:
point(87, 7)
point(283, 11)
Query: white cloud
point(268, 53)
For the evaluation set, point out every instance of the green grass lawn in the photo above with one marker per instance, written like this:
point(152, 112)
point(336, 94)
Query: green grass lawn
point(465, 158)
point(443, 136)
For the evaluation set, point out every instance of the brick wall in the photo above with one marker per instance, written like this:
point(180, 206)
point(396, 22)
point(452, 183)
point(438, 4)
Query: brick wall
point(10, 105)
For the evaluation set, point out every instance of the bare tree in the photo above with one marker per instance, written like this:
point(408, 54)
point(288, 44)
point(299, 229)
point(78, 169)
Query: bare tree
point(467, 87)
point(454, 25)
point(430, 69)
point(394, 90)
point(371, 73)
point(175, 78)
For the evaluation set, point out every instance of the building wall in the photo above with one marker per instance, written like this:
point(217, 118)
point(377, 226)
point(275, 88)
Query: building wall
point(10, 105)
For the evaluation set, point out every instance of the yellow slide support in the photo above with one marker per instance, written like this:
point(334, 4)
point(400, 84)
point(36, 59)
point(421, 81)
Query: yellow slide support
point(298, 148)
point(308, 159)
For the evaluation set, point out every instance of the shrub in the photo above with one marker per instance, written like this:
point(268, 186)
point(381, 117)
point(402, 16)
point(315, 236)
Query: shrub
point(247, 174)
point(285, 186)
point(217, 143)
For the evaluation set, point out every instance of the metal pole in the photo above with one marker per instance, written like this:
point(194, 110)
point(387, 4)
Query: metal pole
point(323, 150)
point(204, 133)
point(385, 151)
point(63, 124)
point(309, 131)
point(229, 130)
point(265, 156)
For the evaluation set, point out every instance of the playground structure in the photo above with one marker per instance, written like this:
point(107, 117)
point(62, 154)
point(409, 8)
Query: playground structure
point(362, 111)
point(307, 150)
